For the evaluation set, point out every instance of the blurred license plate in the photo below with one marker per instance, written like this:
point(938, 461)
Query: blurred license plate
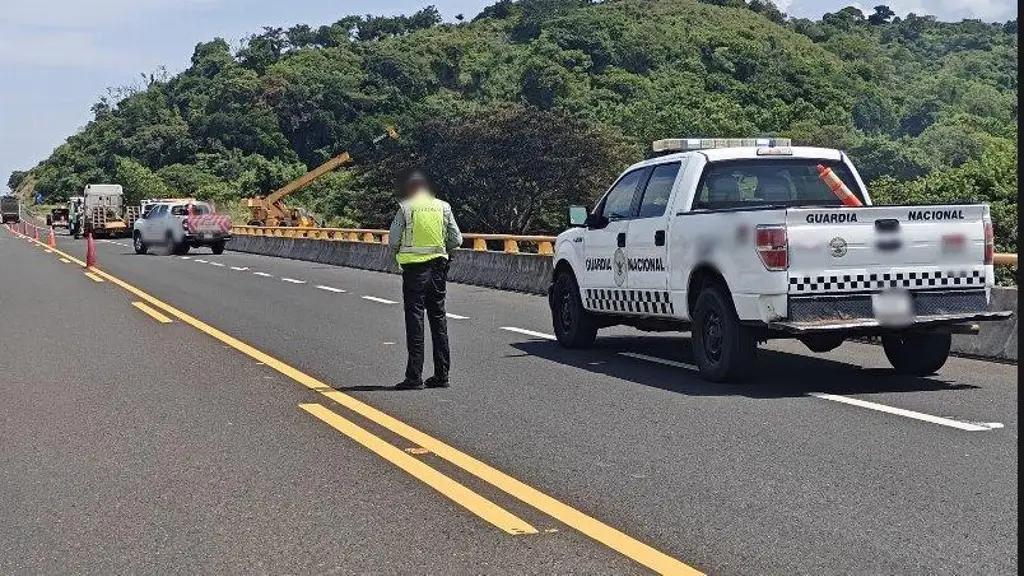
point(206, 235)
point(893, 307)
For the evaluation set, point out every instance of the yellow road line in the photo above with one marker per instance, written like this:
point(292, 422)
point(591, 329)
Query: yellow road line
point(595, 529)
point(154, 313)
point(93, 277)
point(456, 492)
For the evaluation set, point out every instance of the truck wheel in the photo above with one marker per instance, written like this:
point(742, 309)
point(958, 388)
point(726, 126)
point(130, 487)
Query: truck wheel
point(917, 353)
point(140, 246)
point(218, 248)
point(724, 348)
point(574, 326)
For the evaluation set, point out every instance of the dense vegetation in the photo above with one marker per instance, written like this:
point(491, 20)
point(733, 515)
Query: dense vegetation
point(535, 104)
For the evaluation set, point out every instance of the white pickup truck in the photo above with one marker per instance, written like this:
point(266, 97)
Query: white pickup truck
point(742, 241)
point(179, 225)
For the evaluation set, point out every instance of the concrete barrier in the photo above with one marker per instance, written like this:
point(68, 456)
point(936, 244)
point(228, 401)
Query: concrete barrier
point(531, 273)
point(515, 272)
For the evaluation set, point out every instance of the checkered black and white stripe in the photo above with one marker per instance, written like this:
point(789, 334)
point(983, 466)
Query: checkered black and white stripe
point(910, 280)
point(653, 302)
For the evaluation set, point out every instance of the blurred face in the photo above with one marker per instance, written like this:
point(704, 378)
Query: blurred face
point(414, 185)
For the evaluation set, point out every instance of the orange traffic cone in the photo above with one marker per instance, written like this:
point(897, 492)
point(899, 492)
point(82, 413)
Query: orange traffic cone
point(52, 240)
point(35, 233)
point(90, 251)
point(836, 185)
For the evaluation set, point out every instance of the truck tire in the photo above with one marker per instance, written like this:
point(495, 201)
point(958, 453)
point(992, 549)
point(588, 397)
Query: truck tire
point(138, 244)
point(917, 353)
point(724, 349)
point(574, 326)
point(217, 247)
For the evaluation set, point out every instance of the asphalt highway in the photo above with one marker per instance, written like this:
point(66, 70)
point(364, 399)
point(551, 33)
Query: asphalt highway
point(213, 442)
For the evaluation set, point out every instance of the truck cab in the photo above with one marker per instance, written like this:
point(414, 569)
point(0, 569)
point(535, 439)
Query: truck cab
point(745, 240)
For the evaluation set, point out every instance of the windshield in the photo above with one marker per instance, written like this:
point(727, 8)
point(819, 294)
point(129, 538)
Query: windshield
point(775, 182)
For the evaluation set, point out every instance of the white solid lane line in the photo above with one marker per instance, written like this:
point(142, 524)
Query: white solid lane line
point(526, 332)
point(331, 289)
point(293, 281)
point(240, 268)
point(657, 360)
point(456, 316)
point(381, 300)
point(966, 426)
point(218, 264)
point(264, 274)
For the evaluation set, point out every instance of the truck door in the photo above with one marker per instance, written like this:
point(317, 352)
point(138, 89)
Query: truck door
point(152, 230)
point(606, 251)
point(647, 239)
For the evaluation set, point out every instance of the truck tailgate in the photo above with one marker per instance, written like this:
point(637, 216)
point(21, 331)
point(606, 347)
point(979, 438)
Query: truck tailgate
point(877, 247)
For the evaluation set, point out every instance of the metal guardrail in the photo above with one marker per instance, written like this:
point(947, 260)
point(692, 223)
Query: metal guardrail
point(510, 243)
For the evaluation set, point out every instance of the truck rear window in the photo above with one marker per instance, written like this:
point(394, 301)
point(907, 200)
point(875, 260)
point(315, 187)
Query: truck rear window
point(769, 182)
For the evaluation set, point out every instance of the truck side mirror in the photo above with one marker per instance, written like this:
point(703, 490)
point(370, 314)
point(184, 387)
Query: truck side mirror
point(577, 216)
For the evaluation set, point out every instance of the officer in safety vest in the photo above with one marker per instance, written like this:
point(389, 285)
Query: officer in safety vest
point(423, 235)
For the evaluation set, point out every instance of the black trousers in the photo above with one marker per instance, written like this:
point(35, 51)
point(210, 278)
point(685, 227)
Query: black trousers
point(423, 288)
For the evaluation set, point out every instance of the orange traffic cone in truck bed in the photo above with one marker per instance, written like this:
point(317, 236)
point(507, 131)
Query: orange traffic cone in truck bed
point(90, 251)
point(835, 184)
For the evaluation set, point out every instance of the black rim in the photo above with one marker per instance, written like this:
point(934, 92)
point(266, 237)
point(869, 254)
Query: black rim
point(138, 242)
point(711, 336)
point(565, 311)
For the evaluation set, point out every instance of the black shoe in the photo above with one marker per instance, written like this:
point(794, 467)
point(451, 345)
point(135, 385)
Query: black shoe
point(408, 385)
point(435, 382)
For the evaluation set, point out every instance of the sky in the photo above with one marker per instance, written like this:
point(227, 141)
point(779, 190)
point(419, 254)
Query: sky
point(57, 57)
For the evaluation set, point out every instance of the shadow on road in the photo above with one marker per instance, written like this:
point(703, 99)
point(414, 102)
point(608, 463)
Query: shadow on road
point(778, 375)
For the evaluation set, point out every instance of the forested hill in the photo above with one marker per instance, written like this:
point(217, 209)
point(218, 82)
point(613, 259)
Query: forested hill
point(534, 104)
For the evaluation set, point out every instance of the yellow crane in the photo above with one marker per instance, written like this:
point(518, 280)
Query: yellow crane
point(271, 209)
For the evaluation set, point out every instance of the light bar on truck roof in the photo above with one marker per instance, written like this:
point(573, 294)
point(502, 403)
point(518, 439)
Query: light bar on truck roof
point(688, 144)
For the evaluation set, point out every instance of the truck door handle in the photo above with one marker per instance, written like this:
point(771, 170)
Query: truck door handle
point(659, 238)
point(621, 239)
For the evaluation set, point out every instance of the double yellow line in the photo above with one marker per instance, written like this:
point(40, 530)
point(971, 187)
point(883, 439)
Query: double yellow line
point(595, 529)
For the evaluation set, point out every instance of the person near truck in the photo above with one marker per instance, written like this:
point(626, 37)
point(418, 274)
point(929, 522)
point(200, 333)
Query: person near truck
point(423, 235)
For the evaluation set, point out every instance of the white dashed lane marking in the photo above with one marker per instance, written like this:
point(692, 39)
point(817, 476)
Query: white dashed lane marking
point(185, 257)
point(264, 274)
point(526, 332)
point(293, 281)
point(331, 289)
point(657, 360)
point(240, 268)
point(949, 422)
point(456, 316)
point(380, 300)
point(217, 264)
point(201, 261)
point(965, 426)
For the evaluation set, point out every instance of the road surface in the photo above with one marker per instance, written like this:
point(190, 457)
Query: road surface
point(255, 431)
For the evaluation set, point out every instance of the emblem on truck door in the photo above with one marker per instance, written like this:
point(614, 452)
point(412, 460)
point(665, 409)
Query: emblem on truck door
point(838, 247)
point(619, 265)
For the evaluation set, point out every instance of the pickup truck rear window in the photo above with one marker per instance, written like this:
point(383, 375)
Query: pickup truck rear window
point(769, 182)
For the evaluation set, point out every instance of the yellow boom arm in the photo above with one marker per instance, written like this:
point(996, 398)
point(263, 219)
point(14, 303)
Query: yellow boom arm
point(304, 180)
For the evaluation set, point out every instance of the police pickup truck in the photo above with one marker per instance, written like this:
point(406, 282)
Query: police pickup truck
point(745, 240)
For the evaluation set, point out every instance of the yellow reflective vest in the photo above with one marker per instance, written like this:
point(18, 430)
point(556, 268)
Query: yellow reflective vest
point(423, 238)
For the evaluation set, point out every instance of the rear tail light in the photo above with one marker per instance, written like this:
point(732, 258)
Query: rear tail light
point(773, 246)
point(990, 243)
